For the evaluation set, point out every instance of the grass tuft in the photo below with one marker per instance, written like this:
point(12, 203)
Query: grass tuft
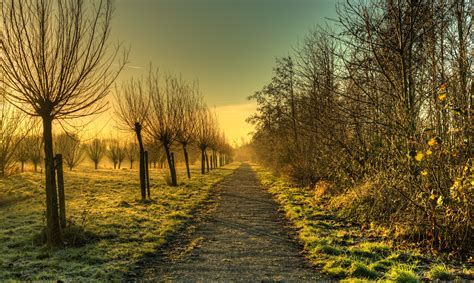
point(360, 270)
point(402, 274)
point(440, 272)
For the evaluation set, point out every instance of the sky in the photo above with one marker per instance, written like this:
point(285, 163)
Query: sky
point(228, 45)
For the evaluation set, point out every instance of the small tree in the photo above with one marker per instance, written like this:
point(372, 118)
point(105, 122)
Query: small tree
point(131, 110)
point(132, 153)
point(205, 135)
point(69, 145)
point(22, 153)
point(116, 152)
point(192, 102)
point(35, 153)
point(95, 150)
point(164, 120)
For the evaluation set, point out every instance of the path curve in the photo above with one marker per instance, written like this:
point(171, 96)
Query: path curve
point(245, 238)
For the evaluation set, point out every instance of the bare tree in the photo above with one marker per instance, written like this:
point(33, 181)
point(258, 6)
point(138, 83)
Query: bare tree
point(116, 152)
point(56, 65)
point(11, 134)
point(69, 145)
point(192, 102)
point(131, 110)
point(35, 153)
point(22, 152)
point(164, 119)
point(95, 150)
point(132, 153)
point(205, 134)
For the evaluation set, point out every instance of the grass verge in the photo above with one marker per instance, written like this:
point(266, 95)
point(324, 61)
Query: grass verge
point(105, 213)
point(345, 251)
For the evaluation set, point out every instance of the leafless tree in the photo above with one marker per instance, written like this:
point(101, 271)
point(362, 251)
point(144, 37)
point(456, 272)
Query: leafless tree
point(11, 134)
point(95, 150)
point(56, 65)
point(35, 154)
point(192, 102)
point(116, 152)
point(69, 145)
point(21, 152)
point(131, 110)
point(164, 119)
point(205, 134)
point(132, 153)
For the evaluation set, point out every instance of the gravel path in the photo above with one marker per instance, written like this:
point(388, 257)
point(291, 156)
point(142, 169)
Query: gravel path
point(243, 238)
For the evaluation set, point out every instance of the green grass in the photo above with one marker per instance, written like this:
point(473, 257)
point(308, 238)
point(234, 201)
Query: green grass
point(440, 272)
point(103, 205)
point(343, 250)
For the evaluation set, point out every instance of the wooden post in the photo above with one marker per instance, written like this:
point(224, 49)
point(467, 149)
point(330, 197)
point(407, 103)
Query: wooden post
point(146, 173)
point(60, 180)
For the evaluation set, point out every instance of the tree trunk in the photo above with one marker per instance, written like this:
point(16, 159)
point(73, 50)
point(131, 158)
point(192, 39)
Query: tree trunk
point(131, 164)
point(147, 165)
point(53, 229)
point(96, 164)
point(138, 132)
point(61, 197)
point(22, 166)
point(207, 162)
point(36, 167)
point(186, 160)
point(174, 182)
point(203, 160)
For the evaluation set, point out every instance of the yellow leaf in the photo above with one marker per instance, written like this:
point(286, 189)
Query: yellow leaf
point(419, 156)
point(424, 173)
point(442, 97)
point(432, 142)
point(429, 152)
point(439, 202)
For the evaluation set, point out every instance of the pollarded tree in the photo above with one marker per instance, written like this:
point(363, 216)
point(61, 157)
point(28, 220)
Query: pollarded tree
point(132, 153)
point(21, 153)
point(69, 145)
point(131, 110)
point(192, 102)
point(164, 119)
point(116, 152)
point(56, 64)
point(35, 153)
point(204, 135)
point(95, 150)
point(10, 135)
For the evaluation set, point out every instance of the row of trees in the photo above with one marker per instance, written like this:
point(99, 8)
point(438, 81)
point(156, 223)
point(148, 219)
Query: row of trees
point(169, 111)
point(57, 64)
point(383, 110)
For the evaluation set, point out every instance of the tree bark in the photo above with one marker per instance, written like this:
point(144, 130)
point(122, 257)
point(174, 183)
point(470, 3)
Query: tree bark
point(138, 132)
point(61, 197)
point(174, 182)
point(186, 160)
point(147, 165)
point(207, 162)
point(53, 230)
point(203, 160)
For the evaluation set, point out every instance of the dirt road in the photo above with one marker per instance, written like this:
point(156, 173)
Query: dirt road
point(244, 238)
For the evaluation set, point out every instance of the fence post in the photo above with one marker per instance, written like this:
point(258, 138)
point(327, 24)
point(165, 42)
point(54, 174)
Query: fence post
point(60, 179)
point(147, 176)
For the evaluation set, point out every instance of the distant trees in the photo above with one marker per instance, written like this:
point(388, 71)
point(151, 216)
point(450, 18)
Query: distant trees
point(95, 150)
point(131, 151)
point(56, 64)
point(382, 111)
point(116, 152)
point(69, 145)
point(12, 132)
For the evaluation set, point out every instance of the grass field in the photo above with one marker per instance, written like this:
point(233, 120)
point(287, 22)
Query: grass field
point(119, 230)
point(345, 251)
